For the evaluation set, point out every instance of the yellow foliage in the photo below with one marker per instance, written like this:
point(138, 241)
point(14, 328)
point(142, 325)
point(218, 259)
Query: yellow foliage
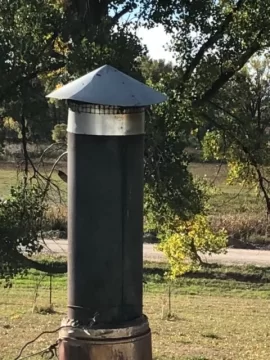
point(188, 239)
point(11, 124)
point(55, 73)
point(48, 36)
point(240, 172)
point(58, 86)
point(61, 47)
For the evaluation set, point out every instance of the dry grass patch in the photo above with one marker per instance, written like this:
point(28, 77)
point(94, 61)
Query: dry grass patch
point(243, 228)
point(211, 328)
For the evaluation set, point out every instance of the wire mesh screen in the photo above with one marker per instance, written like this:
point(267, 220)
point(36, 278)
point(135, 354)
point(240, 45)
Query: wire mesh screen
point(102, 109)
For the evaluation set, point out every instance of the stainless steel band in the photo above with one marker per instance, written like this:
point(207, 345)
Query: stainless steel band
point(103, 124)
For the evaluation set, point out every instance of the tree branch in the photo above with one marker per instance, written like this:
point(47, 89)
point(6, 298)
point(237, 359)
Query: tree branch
point(121, 13)
point(263, 189)
point(47, 149)
point(227, 75)
point(51, 173)
point(213, 121)
point(221, 108)
point(47, 268)
point(211, 41)
point(10, 88)
point(24, 145)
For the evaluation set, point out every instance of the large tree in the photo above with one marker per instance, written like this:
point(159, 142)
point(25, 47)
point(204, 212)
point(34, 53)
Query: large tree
point(212, 42)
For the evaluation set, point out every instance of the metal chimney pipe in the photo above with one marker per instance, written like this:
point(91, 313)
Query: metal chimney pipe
point(105, 217)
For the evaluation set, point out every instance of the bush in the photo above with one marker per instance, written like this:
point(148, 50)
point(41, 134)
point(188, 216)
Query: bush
point(59, 133)
point(21, 220)
point(187, 240)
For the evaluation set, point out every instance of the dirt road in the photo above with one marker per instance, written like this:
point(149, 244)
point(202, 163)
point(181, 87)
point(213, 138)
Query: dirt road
point(233, 256)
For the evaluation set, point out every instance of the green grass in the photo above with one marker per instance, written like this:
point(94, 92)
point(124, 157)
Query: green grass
point(215, 280)
point(216, 313)
point(226, 199)
point(9, 176)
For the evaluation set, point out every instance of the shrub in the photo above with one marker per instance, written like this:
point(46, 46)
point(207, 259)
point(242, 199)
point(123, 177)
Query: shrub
point(59, 133)
point(187, 240)
point(21, 218)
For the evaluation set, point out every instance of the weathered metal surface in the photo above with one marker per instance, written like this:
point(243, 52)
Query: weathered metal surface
point(129, 329)
point(102, 124)
point(105, 227)
point(109, 86)
point(132, 349)
point(110, 344)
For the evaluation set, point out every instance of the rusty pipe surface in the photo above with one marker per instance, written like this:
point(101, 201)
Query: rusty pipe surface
point(132, 342)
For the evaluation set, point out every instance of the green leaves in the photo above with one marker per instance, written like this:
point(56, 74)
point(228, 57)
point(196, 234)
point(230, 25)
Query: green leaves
point(21, 218)
point(44, 43)
point(59, 133)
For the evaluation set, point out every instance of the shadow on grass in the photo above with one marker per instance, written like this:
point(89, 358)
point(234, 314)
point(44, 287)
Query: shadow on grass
point(249, 274)
point(156, 272)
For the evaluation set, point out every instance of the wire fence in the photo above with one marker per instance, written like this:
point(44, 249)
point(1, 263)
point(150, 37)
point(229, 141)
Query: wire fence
point(36, 304)
point(35, 290)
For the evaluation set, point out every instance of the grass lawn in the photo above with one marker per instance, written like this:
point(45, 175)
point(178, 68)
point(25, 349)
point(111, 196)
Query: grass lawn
point(220, 313)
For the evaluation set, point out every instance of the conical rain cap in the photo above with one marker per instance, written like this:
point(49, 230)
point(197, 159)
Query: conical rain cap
point(109, 86)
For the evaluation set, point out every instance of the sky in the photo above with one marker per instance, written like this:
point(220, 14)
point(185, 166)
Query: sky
point(155, 39)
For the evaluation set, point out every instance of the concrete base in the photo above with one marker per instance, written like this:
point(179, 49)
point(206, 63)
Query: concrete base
point(132, 342)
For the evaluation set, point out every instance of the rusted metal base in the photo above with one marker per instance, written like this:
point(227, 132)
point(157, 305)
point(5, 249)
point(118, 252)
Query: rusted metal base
point(132, 342)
